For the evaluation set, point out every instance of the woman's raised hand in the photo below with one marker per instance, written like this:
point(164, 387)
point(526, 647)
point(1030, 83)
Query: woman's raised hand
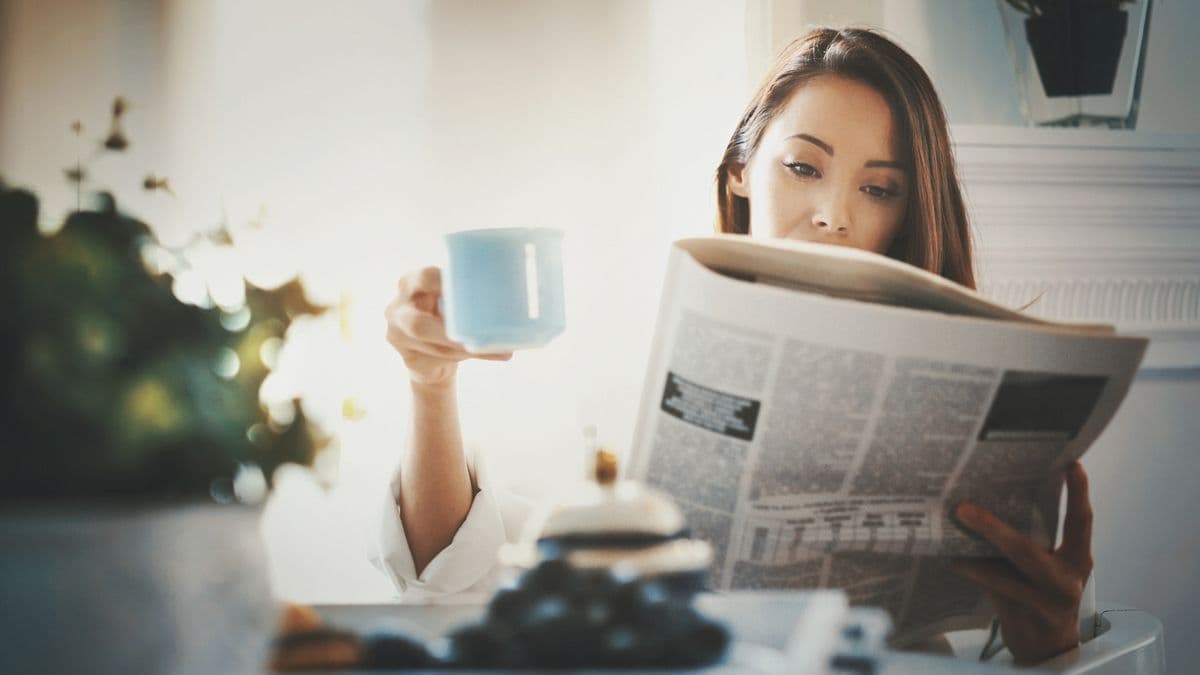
point(1036, 592)
point(416, 329)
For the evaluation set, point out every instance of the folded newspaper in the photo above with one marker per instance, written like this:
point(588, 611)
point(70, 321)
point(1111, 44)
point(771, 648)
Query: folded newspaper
point(818, 411)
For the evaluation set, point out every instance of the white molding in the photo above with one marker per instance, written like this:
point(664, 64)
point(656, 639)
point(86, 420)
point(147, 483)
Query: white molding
point(1143, 216)
point(1004, 136)
point(1086, 169)
point(1151, 303)
point(1103, 225)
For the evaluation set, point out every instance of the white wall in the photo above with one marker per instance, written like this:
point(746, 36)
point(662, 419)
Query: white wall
point(66, 60)
point(1143, 474)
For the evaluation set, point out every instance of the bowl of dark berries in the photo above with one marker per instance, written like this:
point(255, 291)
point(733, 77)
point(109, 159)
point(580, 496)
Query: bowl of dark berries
point(607, 582)
point(558, 615)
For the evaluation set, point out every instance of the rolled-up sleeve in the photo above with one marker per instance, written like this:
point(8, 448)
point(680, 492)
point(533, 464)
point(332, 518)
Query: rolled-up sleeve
point(469, 562)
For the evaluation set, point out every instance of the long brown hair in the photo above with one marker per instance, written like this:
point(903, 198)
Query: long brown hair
point(935, 234)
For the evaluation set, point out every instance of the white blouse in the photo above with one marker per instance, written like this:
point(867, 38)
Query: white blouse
point(469, 562)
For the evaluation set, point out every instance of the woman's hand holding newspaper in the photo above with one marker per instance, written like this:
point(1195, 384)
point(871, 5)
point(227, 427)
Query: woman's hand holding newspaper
point(1036, 592)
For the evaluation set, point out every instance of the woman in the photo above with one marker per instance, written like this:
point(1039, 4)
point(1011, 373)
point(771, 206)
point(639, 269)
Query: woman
point(845, 143)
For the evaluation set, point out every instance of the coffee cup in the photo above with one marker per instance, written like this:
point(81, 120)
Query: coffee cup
point(503, 288)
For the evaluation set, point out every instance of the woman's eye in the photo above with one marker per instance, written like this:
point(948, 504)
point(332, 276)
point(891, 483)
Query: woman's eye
point(806, 170)
point(877, 192)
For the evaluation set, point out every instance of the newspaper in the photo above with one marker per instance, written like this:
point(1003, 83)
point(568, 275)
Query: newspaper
point(818, 411)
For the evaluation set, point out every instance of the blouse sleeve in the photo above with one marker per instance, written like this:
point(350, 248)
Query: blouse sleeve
point(469, 561)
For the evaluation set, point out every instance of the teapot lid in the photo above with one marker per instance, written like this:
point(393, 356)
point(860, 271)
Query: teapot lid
point(619, 508)
point(614, 508)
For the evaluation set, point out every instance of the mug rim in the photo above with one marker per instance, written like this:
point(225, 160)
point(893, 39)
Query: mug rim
point(505, 231)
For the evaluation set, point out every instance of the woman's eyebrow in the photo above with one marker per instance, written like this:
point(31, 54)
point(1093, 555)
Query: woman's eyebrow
point(874, 163)
point(815, 141)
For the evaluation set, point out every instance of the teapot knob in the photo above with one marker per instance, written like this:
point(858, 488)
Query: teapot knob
point(605, 471)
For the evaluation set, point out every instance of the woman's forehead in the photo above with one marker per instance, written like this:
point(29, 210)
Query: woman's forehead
point(851, 117)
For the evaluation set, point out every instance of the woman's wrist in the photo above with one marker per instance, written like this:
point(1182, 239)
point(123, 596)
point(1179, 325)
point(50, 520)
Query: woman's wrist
point(433, 390)
point(435, 418)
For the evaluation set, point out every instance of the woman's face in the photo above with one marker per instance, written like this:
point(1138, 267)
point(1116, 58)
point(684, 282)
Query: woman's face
point(828, 169)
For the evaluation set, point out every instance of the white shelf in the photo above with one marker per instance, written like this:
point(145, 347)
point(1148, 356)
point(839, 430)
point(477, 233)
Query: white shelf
point(1103, 225)
point(1085, 138)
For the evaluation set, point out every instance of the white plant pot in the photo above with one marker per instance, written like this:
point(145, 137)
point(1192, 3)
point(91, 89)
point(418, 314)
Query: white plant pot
point(106, 588)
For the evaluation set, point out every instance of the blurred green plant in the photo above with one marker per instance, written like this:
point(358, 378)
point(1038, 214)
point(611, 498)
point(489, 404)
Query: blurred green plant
point(114, 387)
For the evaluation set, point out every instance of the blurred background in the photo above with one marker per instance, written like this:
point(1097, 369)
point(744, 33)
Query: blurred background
point(340, 141)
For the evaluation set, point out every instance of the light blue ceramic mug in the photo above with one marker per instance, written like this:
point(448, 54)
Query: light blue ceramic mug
point(503, 288)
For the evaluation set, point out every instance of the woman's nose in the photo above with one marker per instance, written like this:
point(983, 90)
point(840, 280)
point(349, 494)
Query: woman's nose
point(826, 225)
point(833, 217)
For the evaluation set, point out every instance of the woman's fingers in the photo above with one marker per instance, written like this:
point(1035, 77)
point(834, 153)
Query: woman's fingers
point(1076, 548)
point(422, 289)
point(416, 328)
point(1025, 555)
point(426, 333)
point(410, 328)
point(506, 356)
point(420, 326)
point(1000, 578)
point(424, 280)
point(415, 312)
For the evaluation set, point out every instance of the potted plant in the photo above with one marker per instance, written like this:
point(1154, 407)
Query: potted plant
point(134, 446)
point(1076, 43)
